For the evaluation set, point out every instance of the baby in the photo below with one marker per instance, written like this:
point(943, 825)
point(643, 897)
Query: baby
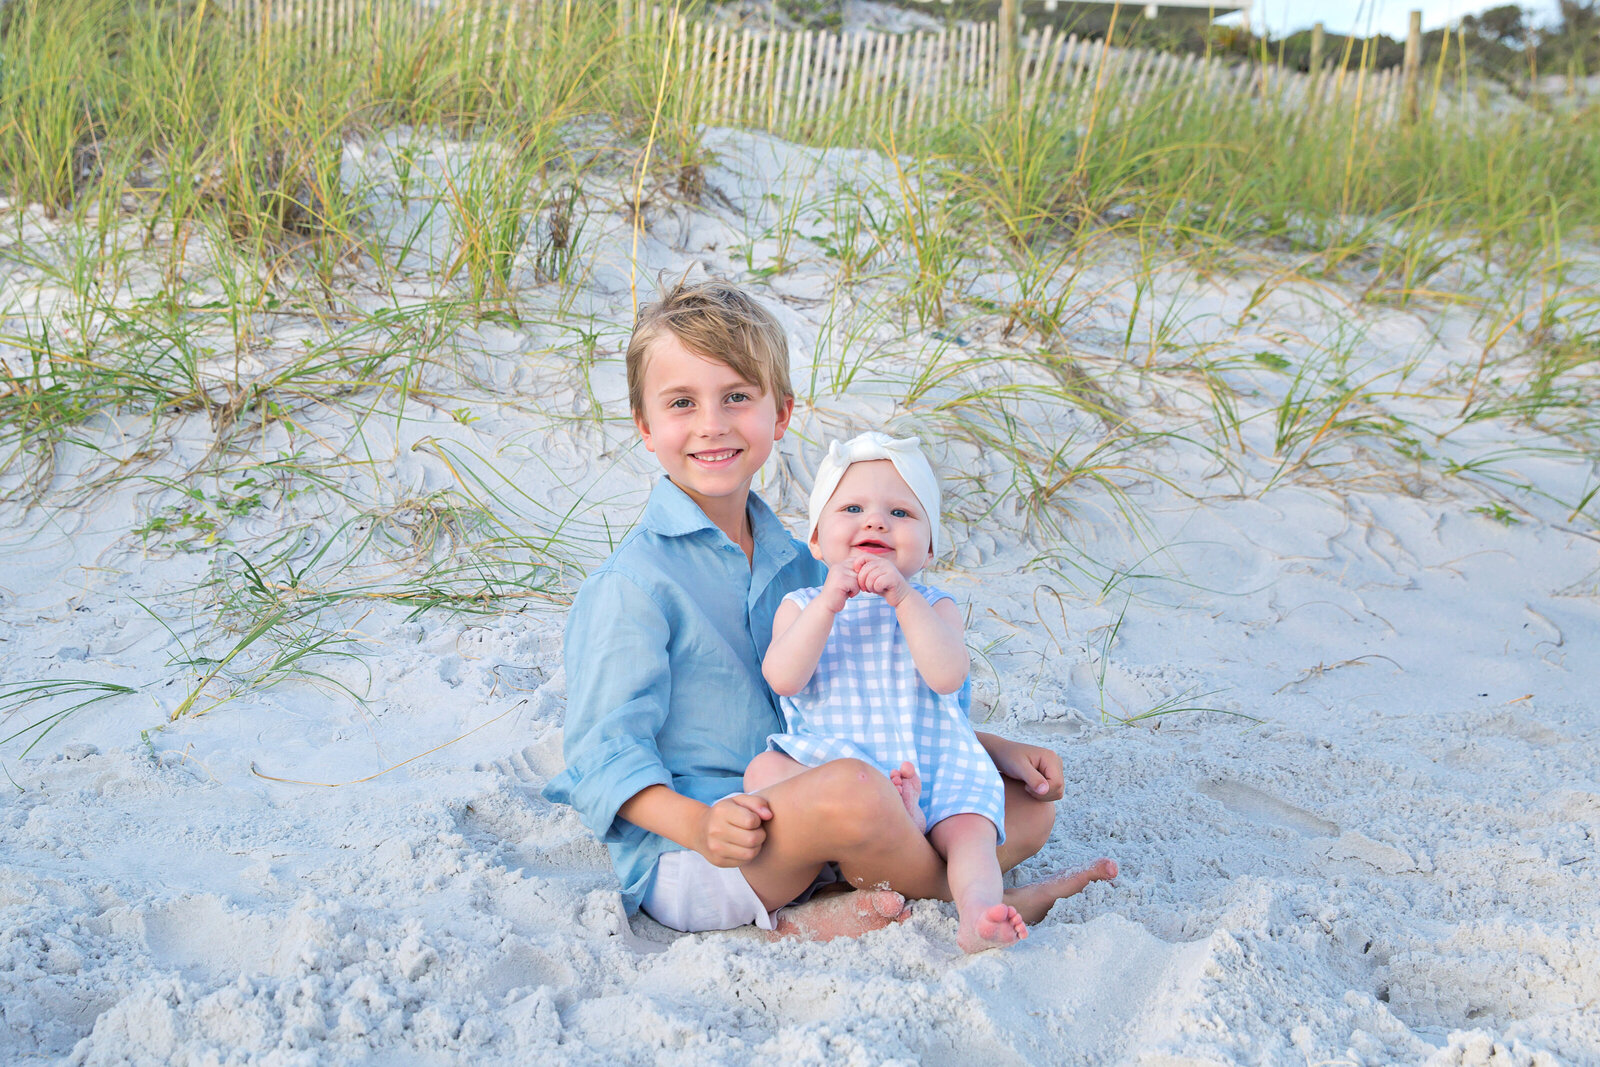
point(879, 677)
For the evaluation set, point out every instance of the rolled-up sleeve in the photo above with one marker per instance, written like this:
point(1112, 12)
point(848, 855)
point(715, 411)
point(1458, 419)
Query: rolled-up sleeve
point(619, 688)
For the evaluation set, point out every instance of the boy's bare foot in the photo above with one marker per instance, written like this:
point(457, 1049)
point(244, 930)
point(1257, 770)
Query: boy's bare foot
point(842, 915)
point(909, 783)
point(1034, 901)
point(993, 927)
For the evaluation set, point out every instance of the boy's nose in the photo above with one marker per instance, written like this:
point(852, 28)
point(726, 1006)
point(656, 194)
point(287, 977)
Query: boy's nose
point(712, 422)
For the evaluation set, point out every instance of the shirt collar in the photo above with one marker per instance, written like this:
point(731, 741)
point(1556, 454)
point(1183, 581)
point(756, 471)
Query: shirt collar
point(770, 535)
point(673, 513)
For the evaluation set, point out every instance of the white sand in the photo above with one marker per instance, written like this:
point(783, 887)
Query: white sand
point(1397, 864)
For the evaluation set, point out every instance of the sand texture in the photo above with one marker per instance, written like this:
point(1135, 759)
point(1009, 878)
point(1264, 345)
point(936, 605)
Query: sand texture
point(1334, 714)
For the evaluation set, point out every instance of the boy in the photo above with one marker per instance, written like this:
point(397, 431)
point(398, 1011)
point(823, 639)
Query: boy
point(666, 704)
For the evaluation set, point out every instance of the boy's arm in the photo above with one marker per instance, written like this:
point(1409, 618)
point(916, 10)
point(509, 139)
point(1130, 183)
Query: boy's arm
point(800, 634)
point(619, 687)
point(727, 833)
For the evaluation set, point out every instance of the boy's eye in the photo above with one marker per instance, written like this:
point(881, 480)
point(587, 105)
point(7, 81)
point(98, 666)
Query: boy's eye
point(681, 402)
point(738, 398)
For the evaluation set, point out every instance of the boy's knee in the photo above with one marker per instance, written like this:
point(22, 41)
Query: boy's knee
point(855, 798)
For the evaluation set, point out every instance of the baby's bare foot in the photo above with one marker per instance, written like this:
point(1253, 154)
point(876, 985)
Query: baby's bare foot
point(1034, 901)
point(842, 915)
point(909, 783)
point(993, 927)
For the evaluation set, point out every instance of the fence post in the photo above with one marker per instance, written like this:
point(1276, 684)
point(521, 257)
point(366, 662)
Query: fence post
point(1008, 53)
point(1412, 71)
point(1316, 49)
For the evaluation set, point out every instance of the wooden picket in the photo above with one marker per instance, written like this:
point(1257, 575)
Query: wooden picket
point(794, 81)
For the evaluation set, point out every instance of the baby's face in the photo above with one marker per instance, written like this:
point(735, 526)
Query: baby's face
point(873, 512)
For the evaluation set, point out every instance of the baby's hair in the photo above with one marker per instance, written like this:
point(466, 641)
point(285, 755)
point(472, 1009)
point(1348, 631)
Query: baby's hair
point(719, 321)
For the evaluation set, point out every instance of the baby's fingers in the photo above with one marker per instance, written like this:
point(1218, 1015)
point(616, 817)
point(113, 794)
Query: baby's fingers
point(875, 578)
point(844, 580)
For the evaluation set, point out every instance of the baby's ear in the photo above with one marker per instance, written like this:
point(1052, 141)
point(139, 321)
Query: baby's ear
point(816, 549)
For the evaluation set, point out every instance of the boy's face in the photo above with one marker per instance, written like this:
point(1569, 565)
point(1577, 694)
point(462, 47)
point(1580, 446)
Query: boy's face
point(873, 512)
point(710, 429)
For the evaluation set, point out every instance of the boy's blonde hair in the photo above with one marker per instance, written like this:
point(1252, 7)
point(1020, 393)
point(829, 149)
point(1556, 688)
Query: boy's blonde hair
point(721, 322)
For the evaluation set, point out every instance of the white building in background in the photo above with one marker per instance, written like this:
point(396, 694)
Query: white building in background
point(1213, 8)
point(1154, 10)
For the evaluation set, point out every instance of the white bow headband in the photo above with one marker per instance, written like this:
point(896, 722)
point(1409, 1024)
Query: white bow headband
point(907, 459)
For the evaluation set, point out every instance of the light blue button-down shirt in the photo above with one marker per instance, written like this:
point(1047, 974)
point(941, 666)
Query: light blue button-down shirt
point(663, 655)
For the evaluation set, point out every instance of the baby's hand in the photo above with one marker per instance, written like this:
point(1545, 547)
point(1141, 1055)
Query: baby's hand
point(881, 576)
point(840, 586)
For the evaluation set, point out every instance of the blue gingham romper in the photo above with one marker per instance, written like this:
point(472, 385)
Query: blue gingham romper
point(867, 701)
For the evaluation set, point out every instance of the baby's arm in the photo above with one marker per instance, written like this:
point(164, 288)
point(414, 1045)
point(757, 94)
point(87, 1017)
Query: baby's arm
point(933, 632)
point(800, 634)
point(937, 642)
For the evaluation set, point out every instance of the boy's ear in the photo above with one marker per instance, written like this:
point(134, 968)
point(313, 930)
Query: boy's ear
point(785, 413)
point(644, 431)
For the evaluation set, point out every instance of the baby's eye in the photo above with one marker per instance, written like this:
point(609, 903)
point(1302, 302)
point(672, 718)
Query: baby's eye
point(852, 509)
point(900, 513)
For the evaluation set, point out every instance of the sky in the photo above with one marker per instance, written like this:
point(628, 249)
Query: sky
point(1280, 17)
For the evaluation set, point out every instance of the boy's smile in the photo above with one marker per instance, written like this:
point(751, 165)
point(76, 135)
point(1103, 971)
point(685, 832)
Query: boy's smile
point(710, 429)
point(873, 512)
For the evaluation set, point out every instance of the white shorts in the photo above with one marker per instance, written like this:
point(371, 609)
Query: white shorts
point(688, 892)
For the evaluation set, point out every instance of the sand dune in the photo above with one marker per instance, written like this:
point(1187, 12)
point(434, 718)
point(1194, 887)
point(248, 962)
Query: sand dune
point(1334, 718)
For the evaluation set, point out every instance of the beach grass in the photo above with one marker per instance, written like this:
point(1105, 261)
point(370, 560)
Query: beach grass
point(284, 255)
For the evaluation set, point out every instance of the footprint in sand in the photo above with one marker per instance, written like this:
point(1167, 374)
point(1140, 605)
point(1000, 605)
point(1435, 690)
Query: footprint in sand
point(1266, 809)
point(206, 935)
point(535, 764)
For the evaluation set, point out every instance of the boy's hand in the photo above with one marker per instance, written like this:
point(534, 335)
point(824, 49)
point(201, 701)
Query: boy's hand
point(1039, 769)
point(881, 576)
point(731, 832)
point(840, 586)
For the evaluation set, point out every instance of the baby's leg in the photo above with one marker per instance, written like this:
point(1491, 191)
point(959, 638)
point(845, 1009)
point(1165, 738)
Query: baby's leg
point(769, 768)
point(909, 784)
point(967, 842)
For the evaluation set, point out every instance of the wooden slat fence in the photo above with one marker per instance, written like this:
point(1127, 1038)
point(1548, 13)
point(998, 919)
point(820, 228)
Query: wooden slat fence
point(791, 81)
point(784, 81)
